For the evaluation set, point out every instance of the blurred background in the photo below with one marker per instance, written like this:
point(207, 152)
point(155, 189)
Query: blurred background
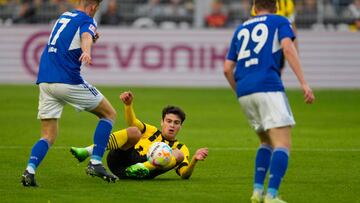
point(310, 14)
point(179, 42)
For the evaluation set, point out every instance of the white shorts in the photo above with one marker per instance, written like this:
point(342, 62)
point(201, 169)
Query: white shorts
point(53, 97)
point(267, 110)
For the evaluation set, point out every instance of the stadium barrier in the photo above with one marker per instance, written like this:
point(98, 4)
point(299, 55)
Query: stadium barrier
point(138, 57)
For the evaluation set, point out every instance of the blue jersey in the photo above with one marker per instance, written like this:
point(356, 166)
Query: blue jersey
point(256, 49)
point(59, 61)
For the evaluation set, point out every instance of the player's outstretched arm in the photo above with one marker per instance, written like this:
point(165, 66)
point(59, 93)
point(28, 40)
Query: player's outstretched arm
point(229, 73)
point(130, 117)
point(294, 62)
point(199, 155)
point(86, 42)
point(127, 97)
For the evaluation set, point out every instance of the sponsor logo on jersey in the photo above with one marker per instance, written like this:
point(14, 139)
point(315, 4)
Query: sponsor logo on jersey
point(92, 28)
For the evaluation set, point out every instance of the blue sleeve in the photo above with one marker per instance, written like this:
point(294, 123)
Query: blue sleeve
point(285, 31)
point(232, 53)
point(88, 26)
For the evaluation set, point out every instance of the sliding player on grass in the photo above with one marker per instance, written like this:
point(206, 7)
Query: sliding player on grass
point(128, 147)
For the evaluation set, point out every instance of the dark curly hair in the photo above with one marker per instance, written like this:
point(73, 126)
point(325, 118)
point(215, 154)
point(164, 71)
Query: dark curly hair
point(88, 2)
point(174, 110)
point(269, 5)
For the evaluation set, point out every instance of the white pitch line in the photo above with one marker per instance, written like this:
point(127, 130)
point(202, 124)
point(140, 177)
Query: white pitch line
point(220, 149)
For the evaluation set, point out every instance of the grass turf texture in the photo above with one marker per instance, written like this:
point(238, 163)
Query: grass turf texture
point(324, 164)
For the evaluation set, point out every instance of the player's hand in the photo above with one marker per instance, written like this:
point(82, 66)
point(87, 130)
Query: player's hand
point(96, 37)
point(126, 97)
point(85, 58)
point(201, 154)
point(308, 94)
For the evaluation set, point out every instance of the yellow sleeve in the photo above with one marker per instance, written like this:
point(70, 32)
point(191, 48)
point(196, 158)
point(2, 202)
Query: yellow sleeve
point(289, 10)
point(183, 166)
point(253, 11)
point(131, 119)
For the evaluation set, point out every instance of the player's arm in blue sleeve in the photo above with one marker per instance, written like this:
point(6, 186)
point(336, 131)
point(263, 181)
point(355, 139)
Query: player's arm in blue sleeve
point(286, 31)
point(286, 37)
point(230, 62)
point(87, 33)
point(232, 53)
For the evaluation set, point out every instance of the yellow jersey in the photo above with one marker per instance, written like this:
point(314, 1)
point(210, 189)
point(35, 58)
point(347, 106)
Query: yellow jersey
point(151, 134)
point(285, 8)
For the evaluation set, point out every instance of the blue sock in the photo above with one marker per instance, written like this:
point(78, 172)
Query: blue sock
point(279, 164)
point(101, 138)
point(38, 153)
point(262, 163)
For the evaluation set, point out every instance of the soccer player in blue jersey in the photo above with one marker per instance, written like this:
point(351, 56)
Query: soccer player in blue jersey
point(252, 69)
point(285, 8)
point(60, 83)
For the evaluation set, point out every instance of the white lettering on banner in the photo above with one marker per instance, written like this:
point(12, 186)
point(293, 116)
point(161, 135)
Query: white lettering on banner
point(159, 56)
point(153, 62)
point(176, 58)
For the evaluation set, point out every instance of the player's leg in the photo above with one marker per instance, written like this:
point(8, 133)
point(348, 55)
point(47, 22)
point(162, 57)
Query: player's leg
point(50, 109)
point(107, 116)
point(49, 128)
point(262, 163)
point(249, 105)
point(145, 169)
point(281, 142)
point(276, 119)
point(119, 160)
point(86, 97)
point(122, 139)
point(132, 135)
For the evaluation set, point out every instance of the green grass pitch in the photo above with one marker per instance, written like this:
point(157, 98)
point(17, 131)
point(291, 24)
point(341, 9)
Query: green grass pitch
point(324, 165)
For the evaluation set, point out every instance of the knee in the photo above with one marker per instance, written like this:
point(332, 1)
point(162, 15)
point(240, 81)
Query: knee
point(111, 114)
point(179, 156)
point(105, 110)
point(282, 145)
point(49, 131)
point(49, 139)
point(285, 143)
point(134, 135)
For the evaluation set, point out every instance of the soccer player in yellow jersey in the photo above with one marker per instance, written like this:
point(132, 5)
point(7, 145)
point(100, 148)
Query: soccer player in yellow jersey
point(128, 147)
